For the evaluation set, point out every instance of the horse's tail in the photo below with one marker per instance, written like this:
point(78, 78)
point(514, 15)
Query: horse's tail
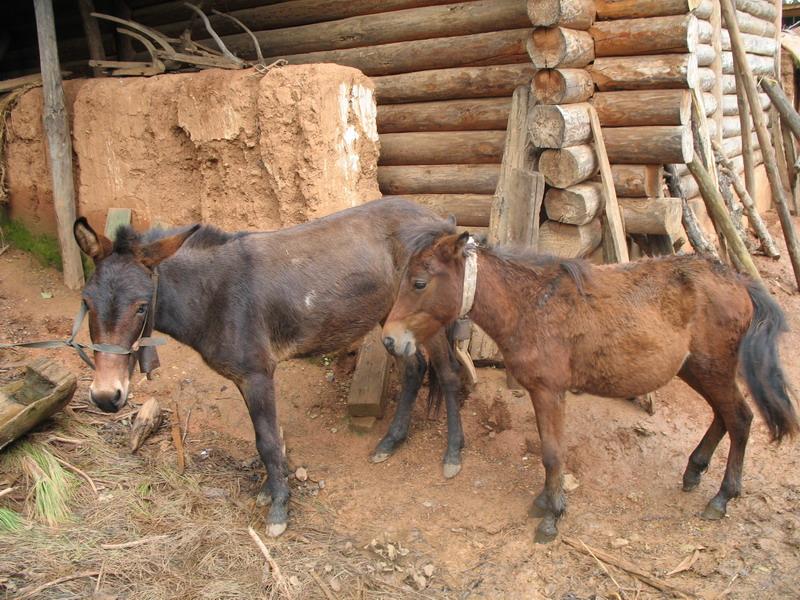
point(436, 386)
point(761, 366)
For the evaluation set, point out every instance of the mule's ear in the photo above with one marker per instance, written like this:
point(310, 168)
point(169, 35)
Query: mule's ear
point(452, 246)
point(451, 218)
point(96, 247)
point(152, 254)
point(461, 243)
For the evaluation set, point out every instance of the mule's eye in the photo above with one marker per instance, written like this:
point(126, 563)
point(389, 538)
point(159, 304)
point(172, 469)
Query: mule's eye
point(419, 284)
point(142, 308)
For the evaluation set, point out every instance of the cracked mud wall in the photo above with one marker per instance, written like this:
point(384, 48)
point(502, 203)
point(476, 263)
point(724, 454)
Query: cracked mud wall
point(237, 149)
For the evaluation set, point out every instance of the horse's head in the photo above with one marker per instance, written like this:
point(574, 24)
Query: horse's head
point(119, 297)
point(430, 295)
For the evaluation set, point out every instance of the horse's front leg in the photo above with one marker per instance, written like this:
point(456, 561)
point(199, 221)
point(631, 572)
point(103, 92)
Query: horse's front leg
point(413, 372)
point(258, 390)
point(445, 374)
point(551, 503)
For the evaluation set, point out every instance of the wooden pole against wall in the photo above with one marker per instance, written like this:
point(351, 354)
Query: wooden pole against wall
point(59, 143)
point(768, 151)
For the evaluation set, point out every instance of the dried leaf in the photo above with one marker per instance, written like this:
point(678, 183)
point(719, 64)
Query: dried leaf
point(686, 563)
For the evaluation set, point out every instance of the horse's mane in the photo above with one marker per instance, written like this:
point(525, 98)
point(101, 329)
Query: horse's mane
point(418, 237)
point(207, 236)
point(577, 269)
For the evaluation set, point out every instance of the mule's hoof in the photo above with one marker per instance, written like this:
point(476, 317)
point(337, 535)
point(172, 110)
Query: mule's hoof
point(379, 457)
point(264, 498)
point(713, 511)
point(450, 470)
point(546, 532)
point(537, 512)
point(275, 529)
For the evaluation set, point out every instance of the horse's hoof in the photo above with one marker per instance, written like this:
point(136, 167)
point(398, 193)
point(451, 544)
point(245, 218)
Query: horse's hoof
point(713, 511)
point(537, 512)
point(546, 532)
point(450, 470)
point(690, 483)
point(264, 498)
point(275, 529)
point(379, 457)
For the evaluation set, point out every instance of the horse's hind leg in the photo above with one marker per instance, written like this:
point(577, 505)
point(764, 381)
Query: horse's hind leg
point(731, 414)
point(701, 456)
point(445, 372)
point(737, 416)
point(413, 372)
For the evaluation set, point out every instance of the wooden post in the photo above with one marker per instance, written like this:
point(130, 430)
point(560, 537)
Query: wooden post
point(747, 142)
point(764, 141)
point(59, 143)
point(614, 247)
point(93, 37)
point(369, 386)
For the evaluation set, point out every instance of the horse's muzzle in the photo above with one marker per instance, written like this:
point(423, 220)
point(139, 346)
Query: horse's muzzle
point(403, 344)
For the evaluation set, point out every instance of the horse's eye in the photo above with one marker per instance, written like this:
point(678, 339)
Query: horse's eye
point(141, 309)
point(419, 284)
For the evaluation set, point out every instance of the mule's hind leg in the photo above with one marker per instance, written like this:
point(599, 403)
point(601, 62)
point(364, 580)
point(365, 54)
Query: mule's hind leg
point(737, 416)
point(550, 409)
point(413, 372)
point(444, 370)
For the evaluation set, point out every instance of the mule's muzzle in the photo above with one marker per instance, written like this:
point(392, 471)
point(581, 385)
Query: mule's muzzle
point(109, 402)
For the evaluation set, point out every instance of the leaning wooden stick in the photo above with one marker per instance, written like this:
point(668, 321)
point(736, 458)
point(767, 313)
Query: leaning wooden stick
point(767, 150)
point(719, 214)
point(756, 222)
point(246, 30)
point(690, 223)
point(788, 114)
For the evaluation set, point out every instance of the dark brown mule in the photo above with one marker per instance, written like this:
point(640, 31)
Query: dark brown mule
point(616, 331)
point(246, 301)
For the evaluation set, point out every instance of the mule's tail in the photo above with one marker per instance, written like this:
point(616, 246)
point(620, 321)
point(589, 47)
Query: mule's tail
point(436, 385)
point(761, 365)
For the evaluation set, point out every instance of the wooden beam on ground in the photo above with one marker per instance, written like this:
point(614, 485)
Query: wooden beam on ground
point(764, 141)
point(367, 397)
point(59, 143)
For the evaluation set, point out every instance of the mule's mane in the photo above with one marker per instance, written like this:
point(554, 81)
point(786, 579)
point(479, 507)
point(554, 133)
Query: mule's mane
point(207, 236)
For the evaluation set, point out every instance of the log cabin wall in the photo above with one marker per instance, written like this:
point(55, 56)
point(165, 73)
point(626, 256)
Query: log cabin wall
point(445, 71)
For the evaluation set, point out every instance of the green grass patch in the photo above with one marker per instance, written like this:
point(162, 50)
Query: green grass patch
point(10, 520)
point(43, 247)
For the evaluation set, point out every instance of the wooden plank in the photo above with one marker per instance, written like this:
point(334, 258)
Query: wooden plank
point(661, 71)
point(438, 179)
point(412, 24)
point(479, 49)
point(638, 181)
point(453, 83)
point(652, 35)
point(629, 9)
point(570, 241)
point(116, 218)
point(642, 107)
point(441, 147)
point(615, 246)
point(59, 144)
point(445, 115)
point(367, 397)
point(469, 210)
point(651, 216)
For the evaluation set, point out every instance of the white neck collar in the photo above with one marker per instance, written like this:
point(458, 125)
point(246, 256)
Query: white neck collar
point(470, 277)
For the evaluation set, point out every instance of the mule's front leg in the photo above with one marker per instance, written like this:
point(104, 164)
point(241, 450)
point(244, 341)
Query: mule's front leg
point(259, 394)
point(445, 381)
point(549, 407)
point(413, 372)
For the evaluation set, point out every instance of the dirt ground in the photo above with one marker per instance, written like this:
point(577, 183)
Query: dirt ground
point(396, 529)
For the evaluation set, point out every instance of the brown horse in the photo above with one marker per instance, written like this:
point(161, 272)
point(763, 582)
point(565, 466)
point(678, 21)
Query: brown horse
point(615, 331)
point(246, 301)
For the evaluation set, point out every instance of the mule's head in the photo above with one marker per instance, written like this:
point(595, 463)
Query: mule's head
point(119, 296)
point(430, 295)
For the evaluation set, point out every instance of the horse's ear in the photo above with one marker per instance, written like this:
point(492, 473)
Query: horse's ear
point(95, 246)
point(152, 254)
point(461, 242)
point(452, 246)
point(451, 218)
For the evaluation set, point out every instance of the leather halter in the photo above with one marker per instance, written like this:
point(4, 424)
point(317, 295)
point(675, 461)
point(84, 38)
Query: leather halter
point(470, 277)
